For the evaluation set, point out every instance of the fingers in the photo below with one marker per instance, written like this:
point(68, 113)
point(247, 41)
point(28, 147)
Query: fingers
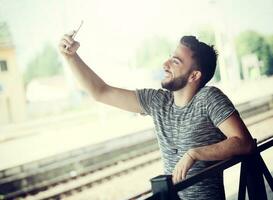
point(71, 33)
point(65, 50)
point(174, 178)
point(179, 174)
point(68, 45)
point(183, 174)
point(68, 38)
point(182, 167)
point(74, 47)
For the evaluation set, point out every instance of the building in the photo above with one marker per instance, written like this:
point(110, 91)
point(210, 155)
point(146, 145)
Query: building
point(12, 93)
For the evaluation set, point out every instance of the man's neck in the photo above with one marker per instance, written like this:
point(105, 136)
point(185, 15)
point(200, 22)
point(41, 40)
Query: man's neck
point(183, 96)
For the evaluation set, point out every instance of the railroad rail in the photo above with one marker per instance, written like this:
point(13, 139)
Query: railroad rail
point(34, 177)
point(41, 175)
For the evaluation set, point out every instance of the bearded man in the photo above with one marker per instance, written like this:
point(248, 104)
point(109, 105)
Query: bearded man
point(196, 125)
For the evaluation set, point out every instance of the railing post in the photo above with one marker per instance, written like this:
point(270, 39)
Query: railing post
point(163, 184)
point(242, 184)
point(265, 172)
point(254, 178)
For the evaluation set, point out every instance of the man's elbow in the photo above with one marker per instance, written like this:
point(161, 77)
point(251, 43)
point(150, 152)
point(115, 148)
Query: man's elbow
point(100, 93)
point(244, 146)
point(249, 146)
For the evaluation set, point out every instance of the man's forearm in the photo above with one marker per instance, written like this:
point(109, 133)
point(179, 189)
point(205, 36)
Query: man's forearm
point(223, 150)
point(88, 78)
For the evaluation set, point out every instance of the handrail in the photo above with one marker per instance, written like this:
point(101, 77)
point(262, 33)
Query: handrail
point(163, 188)
point(220, 166)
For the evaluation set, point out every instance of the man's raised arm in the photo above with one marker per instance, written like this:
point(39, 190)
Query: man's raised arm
point(101, 91)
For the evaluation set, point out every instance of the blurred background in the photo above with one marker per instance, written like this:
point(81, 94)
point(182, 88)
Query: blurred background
point(45, 113)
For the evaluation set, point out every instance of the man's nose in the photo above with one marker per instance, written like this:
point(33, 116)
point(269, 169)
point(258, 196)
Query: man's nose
point(166, 64)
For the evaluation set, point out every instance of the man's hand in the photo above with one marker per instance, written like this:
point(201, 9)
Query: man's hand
point(182, 167)
point(68, 46)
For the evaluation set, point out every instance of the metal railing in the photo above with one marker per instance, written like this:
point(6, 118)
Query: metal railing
point(253, 169)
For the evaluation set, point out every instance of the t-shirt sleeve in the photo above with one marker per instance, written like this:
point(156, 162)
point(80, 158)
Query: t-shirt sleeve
point(219, 106)
point(145, 99)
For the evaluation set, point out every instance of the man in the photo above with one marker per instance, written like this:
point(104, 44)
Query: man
point(196, 125)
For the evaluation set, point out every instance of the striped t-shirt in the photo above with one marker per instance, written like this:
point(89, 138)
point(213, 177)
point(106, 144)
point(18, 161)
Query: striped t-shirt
point(179, 129)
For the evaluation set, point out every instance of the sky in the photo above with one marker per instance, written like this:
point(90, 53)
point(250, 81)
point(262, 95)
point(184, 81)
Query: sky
point(113, 30)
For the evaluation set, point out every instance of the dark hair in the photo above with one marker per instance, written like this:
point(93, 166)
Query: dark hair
point(204, 55)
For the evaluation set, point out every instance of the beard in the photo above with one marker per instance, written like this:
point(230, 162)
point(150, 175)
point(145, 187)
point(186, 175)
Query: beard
point(176, 83)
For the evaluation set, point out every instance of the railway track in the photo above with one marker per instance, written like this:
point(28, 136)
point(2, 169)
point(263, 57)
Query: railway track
point(77, 170)
point(43, 174)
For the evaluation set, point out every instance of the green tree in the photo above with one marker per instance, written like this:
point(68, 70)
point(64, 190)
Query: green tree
point(250, 42)
point(269, 41)
point(44, 64)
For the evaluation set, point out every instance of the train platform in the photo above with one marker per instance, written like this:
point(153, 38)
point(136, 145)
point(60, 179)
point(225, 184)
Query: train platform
point(39, 139)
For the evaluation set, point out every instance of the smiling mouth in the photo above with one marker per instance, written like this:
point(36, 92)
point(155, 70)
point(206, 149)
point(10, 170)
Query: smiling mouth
point(169, 74)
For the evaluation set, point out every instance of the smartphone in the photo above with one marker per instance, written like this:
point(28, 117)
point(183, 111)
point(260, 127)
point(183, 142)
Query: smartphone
point(76, 31)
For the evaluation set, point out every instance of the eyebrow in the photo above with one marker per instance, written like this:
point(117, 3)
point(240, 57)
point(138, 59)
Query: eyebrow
point(178, 58)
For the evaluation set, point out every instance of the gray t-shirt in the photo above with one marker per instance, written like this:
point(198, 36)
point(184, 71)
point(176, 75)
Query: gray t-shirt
point(179, 129)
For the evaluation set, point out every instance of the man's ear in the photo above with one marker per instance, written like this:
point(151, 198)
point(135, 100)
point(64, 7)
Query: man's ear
point(195, 76)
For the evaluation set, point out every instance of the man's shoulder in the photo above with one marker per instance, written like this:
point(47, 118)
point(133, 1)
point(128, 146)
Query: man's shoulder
point(156, 95)
point(153, 99)
point(156, 92)
point(209, 90)
point(208, 94)
point(162, 95)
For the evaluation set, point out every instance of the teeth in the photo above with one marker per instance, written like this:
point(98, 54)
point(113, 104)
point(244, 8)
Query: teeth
point(168, 74)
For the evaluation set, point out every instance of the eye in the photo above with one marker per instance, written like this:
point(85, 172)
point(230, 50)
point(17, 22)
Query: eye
point(175, 61)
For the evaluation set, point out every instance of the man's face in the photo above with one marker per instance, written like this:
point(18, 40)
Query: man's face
point(178, 68)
